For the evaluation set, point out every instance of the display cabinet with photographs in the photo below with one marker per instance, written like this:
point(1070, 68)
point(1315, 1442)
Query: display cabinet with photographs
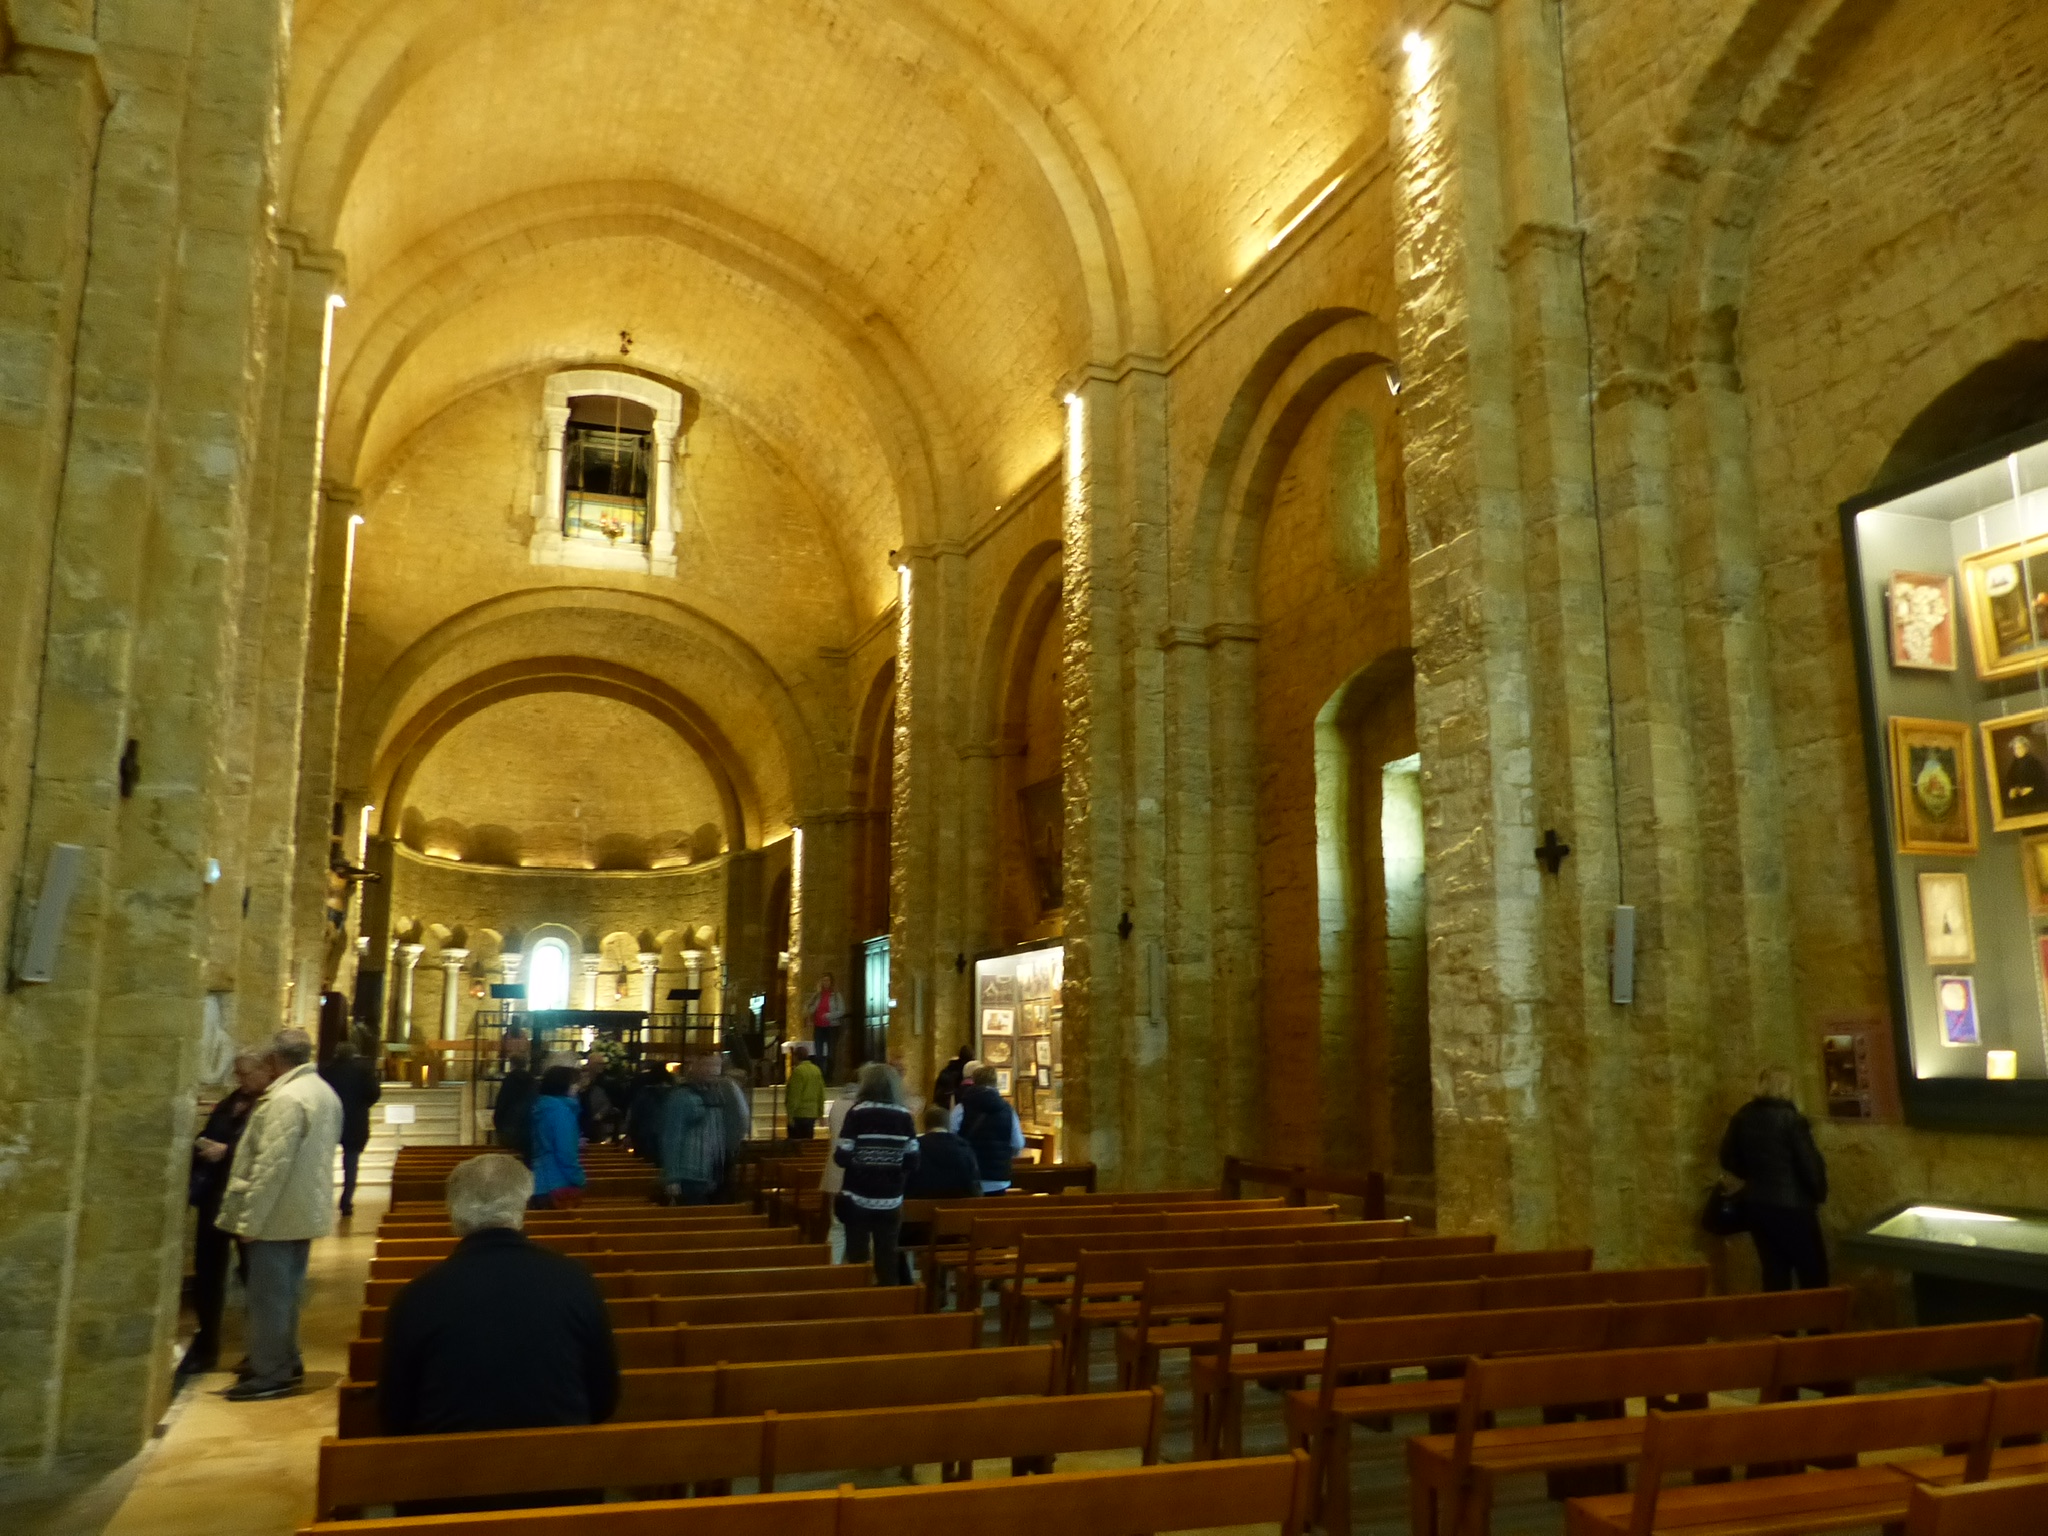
point(1017, 1031)
point(1948, 584)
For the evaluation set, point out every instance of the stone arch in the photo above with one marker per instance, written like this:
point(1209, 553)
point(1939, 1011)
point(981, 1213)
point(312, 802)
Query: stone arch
point(391, 780)
point(378, 61)
point(479, 639)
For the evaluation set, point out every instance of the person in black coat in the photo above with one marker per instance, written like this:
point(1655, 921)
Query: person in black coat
point(213, 1154)
point(512, 1110)
point(646, 1109)
point(947, 1088)
point(989, 1125)
point(503, 1334)
point(1769, 1146)
point(354, 1082)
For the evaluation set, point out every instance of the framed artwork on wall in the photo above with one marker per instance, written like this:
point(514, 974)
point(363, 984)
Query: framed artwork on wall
point(996, 1051)
point(1934, 793)
point(1045, 1077)
point(1025, 1107)
point(999, 991)
point(1957, 997)
point(1923, 621)
point(1037, 1015)
point(2006, 591)
point(2016, 769)
point(1946, 932)
point(2034, 873)
point(1042, 1049)
point(999, 1021)
point(1003, 1081)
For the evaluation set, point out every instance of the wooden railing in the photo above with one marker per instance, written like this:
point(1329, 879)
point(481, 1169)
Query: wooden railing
point(1300, 1182)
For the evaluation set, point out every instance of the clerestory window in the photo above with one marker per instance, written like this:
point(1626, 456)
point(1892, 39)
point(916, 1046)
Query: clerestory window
point(607, 450)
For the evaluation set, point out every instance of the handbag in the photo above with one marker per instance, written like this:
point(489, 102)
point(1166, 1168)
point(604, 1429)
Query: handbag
point(1724, 1214)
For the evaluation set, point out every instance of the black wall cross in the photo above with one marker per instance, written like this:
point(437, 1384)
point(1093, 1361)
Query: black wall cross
point(1550, 852)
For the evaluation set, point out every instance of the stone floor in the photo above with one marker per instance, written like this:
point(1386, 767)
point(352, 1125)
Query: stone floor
point(227, 1469)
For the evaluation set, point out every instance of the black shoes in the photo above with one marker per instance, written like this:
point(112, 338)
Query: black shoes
point(254, 1392)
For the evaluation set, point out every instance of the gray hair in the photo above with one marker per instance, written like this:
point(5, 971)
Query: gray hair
point(1774, 1083)
point(877, 1084)
point(488, 1191)
point(248, 1059)
point(293, 1047)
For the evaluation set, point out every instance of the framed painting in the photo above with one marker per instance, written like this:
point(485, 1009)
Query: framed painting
point(995, 1050)
point(1922, 615)
point(2006, 592)
point(1042, 1050)
point(998, 991)
point(1003, 1081)
point(2034, 870)
point(1045, 1078)
point(1956, 996)
point(999, 1021)
point(2016, 769)
point(1934, 786)
point(1946, 933)
point(1026, 1110)
point(1037, 1015)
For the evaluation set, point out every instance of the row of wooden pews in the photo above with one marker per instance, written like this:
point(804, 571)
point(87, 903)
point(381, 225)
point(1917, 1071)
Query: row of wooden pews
point(727, 1324)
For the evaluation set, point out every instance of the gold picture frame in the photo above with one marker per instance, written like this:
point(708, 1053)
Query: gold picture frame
point(1921, 616)
point(1934, 786)
point(2016, 769)
point(2006, 592)
point(2034, 871)
point(1948, 936)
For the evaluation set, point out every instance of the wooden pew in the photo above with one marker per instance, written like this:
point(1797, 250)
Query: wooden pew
point(2007, 1347)
point(2019, 1418)
point(624, 1311)
point(695, 1282)
point(1300, 1182)
point(1793, 1436)
point(752, 1256)
point(653, 1218)
point(1451, 1478)
point(1321, 1421)
point(789, 1306)
point(1052, 1178)
point(722, 1343)
point(1278, 1325)
point(1141, 1501)
point(359, 1474)
point(1074, 1319)
point(895, 1381)
point(2013, 1504)
point(748, 1233)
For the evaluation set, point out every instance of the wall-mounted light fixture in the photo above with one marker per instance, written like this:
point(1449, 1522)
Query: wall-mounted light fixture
point(1313, 204)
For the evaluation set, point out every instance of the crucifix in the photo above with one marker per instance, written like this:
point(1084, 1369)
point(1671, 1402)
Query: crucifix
point(1550, 852)
point(625, 343)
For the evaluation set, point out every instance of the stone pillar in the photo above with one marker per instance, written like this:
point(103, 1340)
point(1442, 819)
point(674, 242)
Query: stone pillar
point(693, 978)
point(592, 964)
point(650, 971)
point(451, 962)
point(401, 1019)
point(554, 424)
point(661, 549)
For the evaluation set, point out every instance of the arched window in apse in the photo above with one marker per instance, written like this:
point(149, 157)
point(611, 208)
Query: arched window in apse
point(547, 976)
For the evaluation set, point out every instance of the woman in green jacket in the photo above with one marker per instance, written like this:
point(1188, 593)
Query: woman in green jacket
point(804, 1096)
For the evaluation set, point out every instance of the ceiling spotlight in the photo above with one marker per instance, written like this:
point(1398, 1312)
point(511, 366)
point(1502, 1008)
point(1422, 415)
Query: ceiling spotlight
point(336, 301)
point(1415, 45)
point(355, 520)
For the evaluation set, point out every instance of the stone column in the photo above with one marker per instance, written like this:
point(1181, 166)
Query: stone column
point(592, 964)
point(693, 978)
point(554, 424)
point(408, 962)
point(451, 962)
point(661, 548)
point(650, 971)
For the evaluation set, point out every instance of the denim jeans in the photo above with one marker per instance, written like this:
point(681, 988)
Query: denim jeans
point(277, 1281)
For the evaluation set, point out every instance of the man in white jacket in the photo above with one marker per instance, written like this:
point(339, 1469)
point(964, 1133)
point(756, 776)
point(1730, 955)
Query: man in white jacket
point(280, 1197)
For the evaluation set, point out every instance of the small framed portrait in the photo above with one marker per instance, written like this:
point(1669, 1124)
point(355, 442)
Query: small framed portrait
point(2006, 592)
point(1957, 998)
point(1922, 610)
point(2016, 769)
point(1045, 1078)
point(999, 1021)
point(998, 991)
point(1003, 1081)
point(1041, 1048)
point(2034, 871)
point(1945, 929)
point(996, 1050)
point(1026, 1110)
point(1934, 786)
point(1037, 1015)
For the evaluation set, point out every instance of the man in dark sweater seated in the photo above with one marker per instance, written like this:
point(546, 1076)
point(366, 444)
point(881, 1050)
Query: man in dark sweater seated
point(503, 1334)
point(946, 1170)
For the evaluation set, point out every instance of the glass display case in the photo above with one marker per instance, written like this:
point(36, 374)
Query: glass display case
point(1968, 1262)
point(1017, 1031)
point(1948, 587)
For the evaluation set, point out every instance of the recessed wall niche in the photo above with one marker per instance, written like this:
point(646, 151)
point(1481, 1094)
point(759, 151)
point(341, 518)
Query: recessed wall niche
point(610, 445)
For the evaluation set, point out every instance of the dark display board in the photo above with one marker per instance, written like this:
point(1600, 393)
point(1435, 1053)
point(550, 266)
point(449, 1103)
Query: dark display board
point(1948, 589)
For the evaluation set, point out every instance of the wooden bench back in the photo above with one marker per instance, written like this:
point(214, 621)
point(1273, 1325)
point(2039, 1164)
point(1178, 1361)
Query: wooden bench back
point(773, 1514)
point(953, 1219)
point(624, 1311)
point(1607, 1376)
point(733, 1233)
point(738, 1282)
point(1121, 1256)
point(1304, 1311)
point(752, 1256)
point(872, 1438)
point(1800, 1434)
point(652, 1218)
point(1183, 1286)
point(1486, 1266)
point(787, 1306)
point(1640, 1325)
point(919, 1333)
point(1673, 1282)
point(1974, 1509)
point(894, 1381)
point(1002, 1230)
point(667, 1393)
point(1054, 1178)
point(1384, 1342)
point(2008, 1346)
point(1202, 1495)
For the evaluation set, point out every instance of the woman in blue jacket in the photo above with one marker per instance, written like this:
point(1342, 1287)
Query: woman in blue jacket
point(557, 1163)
